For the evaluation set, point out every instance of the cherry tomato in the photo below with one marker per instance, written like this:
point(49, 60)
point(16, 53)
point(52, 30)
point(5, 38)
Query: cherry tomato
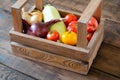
point(69, 18)
point(69, 37)
point(89, 36)
point(54, 36)
point(72, 26)
point(92, 25)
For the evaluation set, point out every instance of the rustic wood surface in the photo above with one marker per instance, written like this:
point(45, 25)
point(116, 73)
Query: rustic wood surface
point(45, 72)
point(106, 66)
point(7, 73)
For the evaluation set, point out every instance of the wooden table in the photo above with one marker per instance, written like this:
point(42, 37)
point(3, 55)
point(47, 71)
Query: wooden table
point(106, 66)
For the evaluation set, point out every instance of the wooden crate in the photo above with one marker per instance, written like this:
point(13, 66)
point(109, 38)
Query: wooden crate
point(74, 58)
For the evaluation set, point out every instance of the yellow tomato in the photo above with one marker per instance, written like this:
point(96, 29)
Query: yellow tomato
point(69, 37)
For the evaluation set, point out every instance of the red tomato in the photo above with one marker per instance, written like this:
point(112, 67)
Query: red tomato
point(92, 25)
point(69, 18)
point(89, 36)
point(54, 36)
point(72, 26)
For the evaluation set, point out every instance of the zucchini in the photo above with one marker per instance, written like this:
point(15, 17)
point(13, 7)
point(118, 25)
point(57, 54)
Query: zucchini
point(49, 13)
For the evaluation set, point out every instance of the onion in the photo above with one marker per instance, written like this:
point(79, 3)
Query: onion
point(35, 19)
point(40, 29)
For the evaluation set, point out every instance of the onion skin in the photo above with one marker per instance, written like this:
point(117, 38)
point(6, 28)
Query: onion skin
point(26, 26)
point(35, 19)
point(40, 29)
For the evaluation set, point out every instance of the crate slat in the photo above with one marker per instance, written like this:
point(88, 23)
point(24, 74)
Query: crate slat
point(95, 42)
point(50, 46)
point(39, 4)
point(51, 59)
point(16, 14)
point(82, 33)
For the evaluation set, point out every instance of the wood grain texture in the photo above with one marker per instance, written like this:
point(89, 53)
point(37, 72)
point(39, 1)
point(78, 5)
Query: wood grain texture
point(108, 59)
point(50, 46)
point(39, 4)
point(16, 14)
point(51, 59)
point(90, 10)
point(112, 33)
point(98, 11)
point(45, 72)
point(82, 33)
point(19, 4)
point(95, 45)
point(110, 7)
point(7, 73)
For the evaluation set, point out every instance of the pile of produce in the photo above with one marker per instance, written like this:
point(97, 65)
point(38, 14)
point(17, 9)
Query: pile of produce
point(49, 24)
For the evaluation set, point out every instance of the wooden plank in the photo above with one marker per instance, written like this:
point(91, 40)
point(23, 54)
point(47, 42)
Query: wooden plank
point(45, 72)
point(80, 6)
point(98, 38)
point(17, 22)
point(93, 54)
point(19, 4)
point(16, 14)
point(108, 59)
point(90, 9)
point(98, 12)
point(96, 41)
point(50, 46)
point(39, 4)
point(51, 59)
point(82, 33)
point(7, 73)
point(111, 9)
point(112, 33)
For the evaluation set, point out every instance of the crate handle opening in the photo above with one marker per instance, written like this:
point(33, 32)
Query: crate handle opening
point(93, 9)
point(16, 12)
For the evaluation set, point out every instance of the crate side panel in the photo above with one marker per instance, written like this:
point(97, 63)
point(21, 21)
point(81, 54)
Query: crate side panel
point(95, 42)
point(51, 59)
point(50, 46)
